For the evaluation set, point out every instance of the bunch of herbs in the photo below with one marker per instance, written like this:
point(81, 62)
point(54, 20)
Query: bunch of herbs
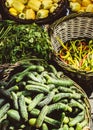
point(21, 41)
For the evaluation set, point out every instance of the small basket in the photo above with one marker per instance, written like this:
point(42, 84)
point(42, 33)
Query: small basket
point(76, 25)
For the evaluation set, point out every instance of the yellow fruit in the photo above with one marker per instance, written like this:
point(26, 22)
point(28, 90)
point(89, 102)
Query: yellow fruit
point(86, 2)
point(30, 14)
point(89, 8)
point(82, 9)
point(34, 5)
point(13, 11)
point(42, 13)
point(75, 6)
point(18, 6)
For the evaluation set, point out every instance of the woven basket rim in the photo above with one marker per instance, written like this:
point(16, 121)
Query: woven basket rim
point(86, 101)
point(66, 66)
point(7, 68)
point(71, 16)
point(52, 28)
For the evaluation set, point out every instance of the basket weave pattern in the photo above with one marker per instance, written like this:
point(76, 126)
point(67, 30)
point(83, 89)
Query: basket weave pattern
point(70, 27)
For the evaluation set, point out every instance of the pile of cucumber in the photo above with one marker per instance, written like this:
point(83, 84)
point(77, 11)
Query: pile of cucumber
point(38, 97)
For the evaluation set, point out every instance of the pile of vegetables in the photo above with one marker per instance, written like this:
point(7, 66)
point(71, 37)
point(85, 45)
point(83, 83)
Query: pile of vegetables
point(81, 5)
point(29, 9)
point(40, 97)
point(78, 53)
point(20, 41)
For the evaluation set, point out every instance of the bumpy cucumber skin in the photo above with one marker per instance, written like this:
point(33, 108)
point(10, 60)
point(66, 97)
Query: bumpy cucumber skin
point(23, 107)
point(4, 109)
point(35, 101)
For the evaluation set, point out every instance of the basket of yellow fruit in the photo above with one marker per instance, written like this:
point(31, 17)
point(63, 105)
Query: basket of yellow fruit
point(39, 11)
point(81, 5)
point(72, 41)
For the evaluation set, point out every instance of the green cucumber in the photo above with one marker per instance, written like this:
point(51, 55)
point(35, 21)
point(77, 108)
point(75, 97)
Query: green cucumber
point(34, 78)
point(58, 82)
point(23, 107)
point(65, 127)
point(22, 74)
point(59, 106)
point(15, 100)
point(52, 121)
point(65, 89)
point(47, 99)
point(13, 114)
point(41, 116)
point(36, 88)
point(78, 126)
point(35, 112)
point(35, 101)
point(38, 84)
point(28, 100)
point(62, 118)
point(3, 118)
point(74, 103)
point(14, 88)
point(82, 124)
point(32, 121)
point(44, 126)
point(4, 109)
point(60, 96)
point(71, 128)
point(66, 120)
point(80, 117)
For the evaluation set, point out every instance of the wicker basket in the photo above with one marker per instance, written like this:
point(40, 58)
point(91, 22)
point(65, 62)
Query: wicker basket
point(72, 26)
point(60, 11)
point(12, 69)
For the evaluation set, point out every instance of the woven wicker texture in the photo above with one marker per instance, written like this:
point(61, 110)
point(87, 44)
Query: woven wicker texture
point(73, 26)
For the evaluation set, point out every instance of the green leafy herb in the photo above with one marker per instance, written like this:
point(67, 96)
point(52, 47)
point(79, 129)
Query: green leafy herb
point(20, 41)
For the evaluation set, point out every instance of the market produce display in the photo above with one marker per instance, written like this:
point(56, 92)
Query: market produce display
point(81, 5)
point(31, 10)
point(78, 53)
point(20, 41)
point(28, 9)
point(37, 96)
